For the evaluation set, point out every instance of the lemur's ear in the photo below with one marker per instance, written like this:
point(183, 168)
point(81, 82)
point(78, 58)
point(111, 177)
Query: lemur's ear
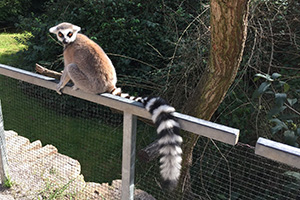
point(76, 28)
point(53, 29)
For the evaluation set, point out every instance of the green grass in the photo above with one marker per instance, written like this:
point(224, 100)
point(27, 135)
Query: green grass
point(10, 44)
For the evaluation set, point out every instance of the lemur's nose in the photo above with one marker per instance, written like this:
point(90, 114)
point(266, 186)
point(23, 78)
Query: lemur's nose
point(65, 41)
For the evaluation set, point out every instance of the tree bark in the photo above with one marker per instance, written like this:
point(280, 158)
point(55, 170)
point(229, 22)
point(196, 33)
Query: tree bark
point(228, 21)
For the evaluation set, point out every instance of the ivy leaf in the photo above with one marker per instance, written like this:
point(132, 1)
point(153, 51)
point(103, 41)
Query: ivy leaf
point(279, 125)
point(292, 101)
point(286, 87)
point(275, 75)
point(267, 77)
point(262, 88)
point(298, 131)
point(290, 137)
point(275, 111)
point(280, 98)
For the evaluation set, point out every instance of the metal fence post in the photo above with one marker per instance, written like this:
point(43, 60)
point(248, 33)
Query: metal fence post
point(128, 155)
point(3, 158)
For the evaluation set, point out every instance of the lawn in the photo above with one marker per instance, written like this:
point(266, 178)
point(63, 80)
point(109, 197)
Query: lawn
point(96, 145)
point(10, 44)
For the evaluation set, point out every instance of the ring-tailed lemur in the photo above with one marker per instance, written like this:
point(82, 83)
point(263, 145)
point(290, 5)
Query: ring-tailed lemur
point(90, 69)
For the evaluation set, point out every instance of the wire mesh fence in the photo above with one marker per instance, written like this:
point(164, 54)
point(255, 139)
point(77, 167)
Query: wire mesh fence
point(90, 135)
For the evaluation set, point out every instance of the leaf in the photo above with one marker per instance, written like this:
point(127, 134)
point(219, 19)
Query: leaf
point(290, 137)
point(298, 131)
point(280, 98)
point(292, 101)
point(275, 129)
point(275, 75)
point(276, 111)
point(263, 87)
point(286, 87)
point(296, 175)
point(267, 77)
point(279, 125)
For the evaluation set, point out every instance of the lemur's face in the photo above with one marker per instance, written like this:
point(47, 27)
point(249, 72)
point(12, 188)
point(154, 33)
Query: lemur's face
point(65, 32)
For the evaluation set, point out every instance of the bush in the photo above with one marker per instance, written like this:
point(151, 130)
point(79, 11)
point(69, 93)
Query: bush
point(10, 10)
point(137, 35)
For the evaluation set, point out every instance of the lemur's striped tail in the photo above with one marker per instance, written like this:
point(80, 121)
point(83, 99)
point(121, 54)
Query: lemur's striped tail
point(118, 92)
point(168, 138)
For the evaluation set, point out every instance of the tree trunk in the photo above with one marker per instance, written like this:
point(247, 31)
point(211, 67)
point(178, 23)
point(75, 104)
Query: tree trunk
point(228, 21)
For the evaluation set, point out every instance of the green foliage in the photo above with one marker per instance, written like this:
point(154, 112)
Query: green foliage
point(10, 10)
point(142, 30)
point(282, 112)
point(8, 183)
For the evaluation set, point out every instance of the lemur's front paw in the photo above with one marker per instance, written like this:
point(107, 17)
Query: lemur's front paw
point(58, 90)
point(74, 88)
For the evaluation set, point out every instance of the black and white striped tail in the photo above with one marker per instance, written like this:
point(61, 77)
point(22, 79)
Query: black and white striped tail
point(168, 138)
point(118, 92)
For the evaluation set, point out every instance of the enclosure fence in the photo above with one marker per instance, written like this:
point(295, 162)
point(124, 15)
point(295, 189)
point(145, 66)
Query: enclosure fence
point(100, 135)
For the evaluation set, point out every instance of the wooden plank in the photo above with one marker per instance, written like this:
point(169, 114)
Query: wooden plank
point(278, 152)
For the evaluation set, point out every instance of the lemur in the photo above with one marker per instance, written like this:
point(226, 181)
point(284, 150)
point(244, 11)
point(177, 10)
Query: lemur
point(90, 69)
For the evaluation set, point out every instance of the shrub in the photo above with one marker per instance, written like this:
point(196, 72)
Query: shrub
point(137, 35)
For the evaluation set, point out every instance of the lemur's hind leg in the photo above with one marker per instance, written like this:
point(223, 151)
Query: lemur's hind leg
point(81, 80)
point(72, 72)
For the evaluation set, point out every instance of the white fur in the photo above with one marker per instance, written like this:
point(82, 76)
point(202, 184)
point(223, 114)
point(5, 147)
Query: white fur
point(125, 95)
point(116, 91)
point(170, 139)
point(167, 124)
point(150, 103)
point(138, 99)
point(160, 109)
point(170, 150)
point(170, 168)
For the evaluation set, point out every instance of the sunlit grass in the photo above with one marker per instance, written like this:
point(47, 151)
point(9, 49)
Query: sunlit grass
point(10, 45)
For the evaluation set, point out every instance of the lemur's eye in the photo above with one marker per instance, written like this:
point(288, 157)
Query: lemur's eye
point(60, 34)
point(70, 34)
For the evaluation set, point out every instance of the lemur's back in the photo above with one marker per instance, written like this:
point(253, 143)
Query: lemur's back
point(92, 61)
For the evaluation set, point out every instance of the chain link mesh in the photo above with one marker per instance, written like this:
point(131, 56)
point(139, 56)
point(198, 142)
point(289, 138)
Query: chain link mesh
point(91, 135)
